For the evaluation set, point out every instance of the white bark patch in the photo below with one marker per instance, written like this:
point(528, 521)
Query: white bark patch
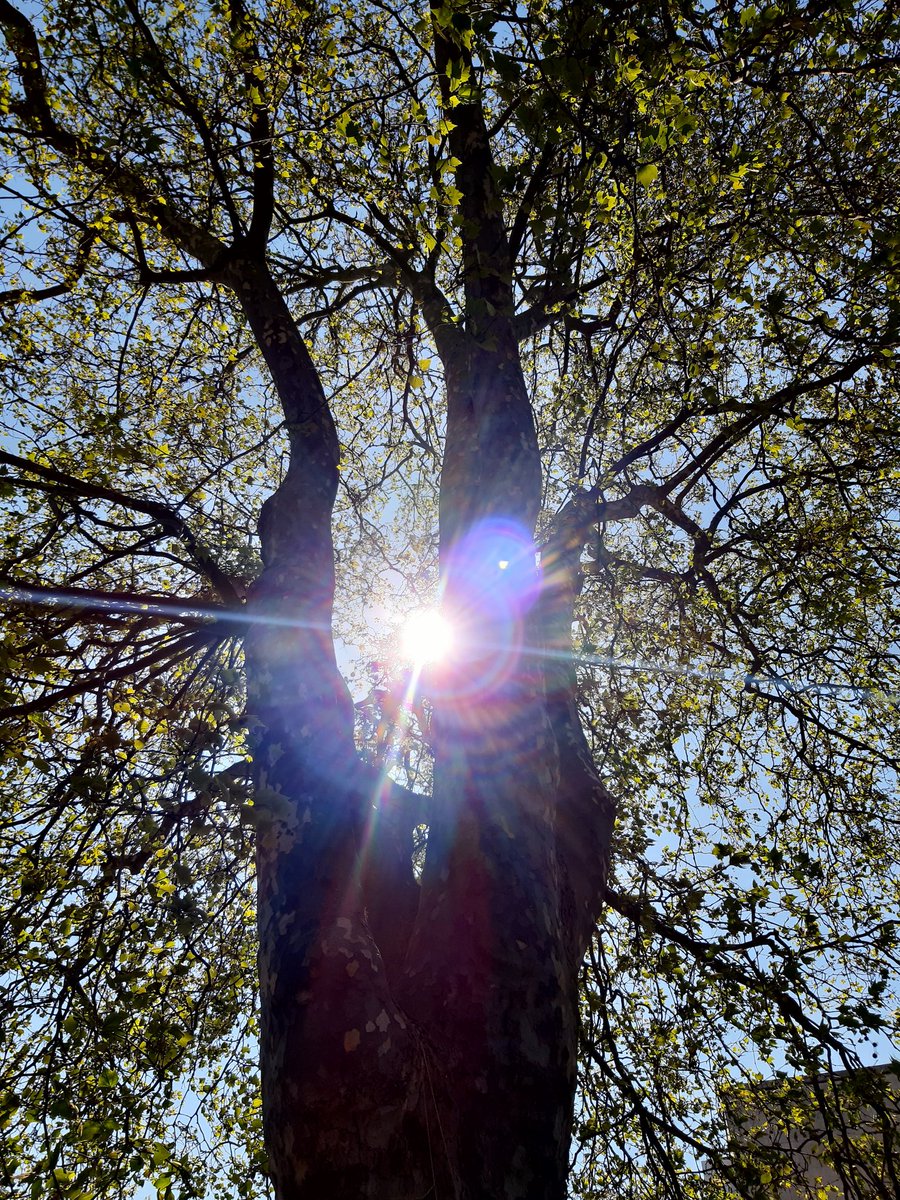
point(351, 1040)
point(350, 941)
point(382, 1021)
point(504, 825)
point(352, 967)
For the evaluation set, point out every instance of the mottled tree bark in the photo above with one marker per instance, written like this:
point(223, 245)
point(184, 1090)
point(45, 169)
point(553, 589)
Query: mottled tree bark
point(418, 1038)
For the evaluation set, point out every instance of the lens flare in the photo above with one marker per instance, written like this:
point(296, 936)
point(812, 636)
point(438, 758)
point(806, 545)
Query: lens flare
point(426, 637)
point(490, 584)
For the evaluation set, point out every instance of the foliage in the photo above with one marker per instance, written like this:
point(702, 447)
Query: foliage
point(702, 208)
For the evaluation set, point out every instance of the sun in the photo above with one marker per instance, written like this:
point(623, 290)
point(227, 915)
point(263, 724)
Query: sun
point(426, 637)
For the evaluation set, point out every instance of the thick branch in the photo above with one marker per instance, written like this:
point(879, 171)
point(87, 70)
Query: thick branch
point(260, 129)
point(585, 810)
point(38, 111)
point(436, 308)
point(487, 265)
point(492, 464)
point(192, 111)
point(687, 476)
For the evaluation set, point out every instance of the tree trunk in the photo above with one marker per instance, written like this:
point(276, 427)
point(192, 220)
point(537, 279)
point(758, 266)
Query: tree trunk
point(417, 1038)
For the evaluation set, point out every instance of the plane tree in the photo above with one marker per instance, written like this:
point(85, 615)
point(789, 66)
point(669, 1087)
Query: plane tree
point(582, 321)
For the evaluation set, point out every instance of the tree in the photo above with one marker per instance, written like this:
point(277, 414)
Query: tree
point(607, 298)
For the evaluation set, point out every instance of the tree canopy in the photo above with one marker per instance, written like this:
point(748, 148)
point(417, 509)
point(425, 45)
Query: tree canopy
point(678, 225)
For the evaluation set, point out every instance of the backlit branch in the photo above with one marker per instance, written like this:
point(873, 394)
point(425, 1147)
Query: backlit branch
point(37, 109)
point(167, 518)
point(72, 275)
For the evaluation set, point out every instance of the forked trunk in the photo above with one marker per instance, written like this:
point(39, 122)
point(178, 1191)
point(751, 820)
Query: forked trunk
point(418, 1038)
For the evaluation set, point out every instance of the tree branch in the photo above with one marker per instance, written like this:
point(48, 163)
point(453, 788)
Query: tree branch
point(170, 521)
point(97, 604)
point(487, 264)
point(175, 649)
point(38, 111)
point(82, 255)
point(192, 111)
point(707, 954)
point(260, 130)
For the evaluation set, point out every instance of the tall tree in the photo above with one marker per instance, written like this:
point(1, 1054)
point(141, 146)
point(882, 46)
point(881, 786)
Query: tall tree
point(584, 319)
